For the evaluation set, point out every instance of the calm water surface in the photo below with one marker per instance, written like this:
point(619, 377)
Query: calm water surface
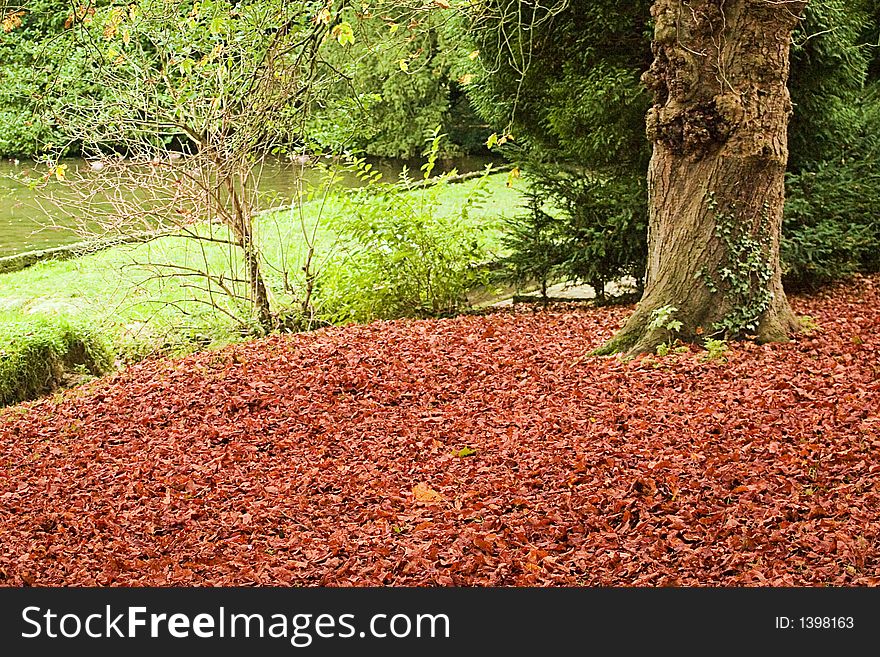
point(26, 219)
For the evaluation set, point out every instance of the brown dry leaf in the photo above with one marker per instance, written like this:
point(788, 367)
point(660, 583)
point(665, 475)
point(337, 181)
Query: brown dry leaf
point(425, 494)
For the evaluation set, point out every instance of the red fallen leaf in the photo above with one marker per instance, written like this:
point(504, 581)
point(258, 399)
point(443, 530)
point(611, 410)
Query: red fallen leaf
point(620, 474)
point(677, 522)
point(816, 511)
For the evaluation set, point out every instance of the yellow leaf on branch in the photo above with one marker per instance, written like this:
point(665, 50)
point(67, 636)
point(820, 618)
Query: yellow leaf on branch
point(324, 16)
point(344, 33)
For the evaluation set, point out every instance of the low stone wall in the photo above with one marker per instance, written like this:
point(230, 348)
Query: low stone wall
point(21, 261)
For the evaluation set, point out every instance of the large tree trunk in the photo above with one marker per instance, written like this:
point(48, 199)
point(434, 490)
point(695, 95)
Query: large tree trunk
point(716, 179)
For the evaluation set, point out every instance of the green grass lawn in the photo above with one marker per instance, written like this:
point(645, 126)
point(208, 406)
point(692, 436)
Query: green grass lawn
point(125, 294)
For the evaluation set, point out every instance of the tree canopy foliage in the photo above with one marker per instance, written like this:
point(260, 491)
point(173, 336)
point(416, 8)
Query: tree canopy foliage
point(559, 83)
point(392, 67)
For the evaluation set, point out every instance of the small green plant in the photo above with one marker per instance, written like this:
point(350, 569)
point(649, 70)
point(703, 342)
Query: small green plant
point(808, 324)
point(401, 253)
point(662, 320)
point(715, 349)
point(535, 246)
point(581, 226)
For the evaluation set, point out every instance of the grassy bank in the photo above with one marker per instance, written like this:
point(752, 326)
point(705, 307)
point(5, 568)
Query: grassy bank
point(39, 353)
point(127, 295)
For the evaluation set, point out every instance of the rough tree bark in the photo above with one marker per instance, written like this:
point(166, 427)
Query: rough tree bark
point(716, 179)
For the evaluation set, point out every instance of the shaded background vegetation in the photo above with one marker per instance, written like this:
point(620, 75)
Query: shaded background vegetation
point(578, 118)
